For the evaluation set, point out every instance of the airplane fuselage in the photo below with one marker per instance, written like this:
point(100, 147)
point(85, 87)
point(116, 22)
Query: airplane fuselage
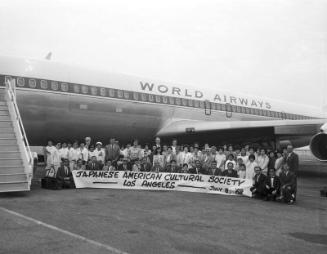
point(65, 105)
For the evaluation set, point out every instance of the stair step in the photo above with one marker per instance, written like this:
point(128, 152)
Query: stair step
point(3, 103)
point(5, 117)
point(10, 162)
point(9, 148)
point(14, 186)
point(6, 130)
point(3, 107)
point(12, 170)
point(10, 155)
point(7, 141)
point(18, 177)
point(7, 135)
point(4, 112)
point(5, 124)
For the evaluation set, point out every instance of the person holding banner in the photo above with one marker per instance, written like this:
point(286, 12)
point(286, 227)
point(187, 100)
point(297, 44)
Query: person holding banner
point(214, 169)
point(230, 172)
point(198, 169)
point(93, 164)
point(259, 189)
point(172, 167)
point(124, 166)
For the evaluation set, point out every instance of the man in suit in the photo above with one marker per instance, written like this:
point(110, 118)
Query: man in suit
point(93, 164)
point(272, 185)
point(230, 172)
point(288, 185)
point(214, 169)
point(292, 161)
point(198, 169)
point(113, 152)
point(258, 189)
point(64, 177)
point(157, 142)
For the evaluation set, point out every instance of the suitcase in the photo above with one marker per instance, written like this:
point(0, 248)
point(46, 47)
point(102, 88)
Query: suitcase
point(50, 183)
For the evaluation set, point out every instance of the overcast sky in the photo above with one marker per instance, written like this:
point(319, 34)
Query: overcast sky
point(267, 48)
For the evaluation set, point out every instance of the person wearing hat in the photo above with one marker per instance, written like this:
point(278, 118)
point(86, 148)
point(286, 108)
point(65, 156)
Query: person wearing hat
point(99, 152)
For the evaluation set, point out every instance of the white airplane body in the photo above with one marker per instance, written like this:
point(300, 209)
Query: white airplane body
point(61, 102)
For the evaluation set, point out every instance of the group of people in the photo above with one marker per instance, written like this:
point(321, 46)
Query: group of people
point(273, 172)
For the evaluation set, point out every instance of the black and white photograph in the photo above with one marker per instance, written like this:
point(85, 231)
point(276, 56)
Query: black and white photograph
point(163, 126)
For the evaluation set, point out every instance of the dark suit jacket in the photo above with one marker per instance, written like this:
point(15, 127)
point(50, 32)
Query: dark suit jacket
point(200, 170)
point(259, 182)
point(121, 167)
point(146, 167)
point(215, 171)
point(293, 162)
point(276, 184)
point(61, 173)
point(271, 163)
point(288, 180)
point(97, 166)
point(170, 169)
point(230, 174)
point(112, 152)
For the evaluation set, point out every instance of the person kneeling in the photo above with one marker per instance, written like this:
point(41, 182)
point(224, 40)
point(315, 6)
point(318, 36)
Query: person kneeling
point(272, 185)
point(258, 189)
point(288, 185)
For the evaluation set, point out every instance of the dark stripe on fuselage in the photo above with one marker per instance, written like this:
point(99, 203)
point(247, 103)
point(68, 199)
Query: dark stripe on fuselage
point(65, 87)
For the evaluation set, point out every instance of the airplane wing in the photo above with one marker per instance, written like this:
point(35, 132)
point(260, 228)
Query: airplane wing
point(179, 127)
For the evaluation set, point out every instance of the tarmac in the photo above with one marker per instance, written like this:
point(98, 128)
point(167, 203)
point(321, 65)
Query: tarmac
point(139, 222)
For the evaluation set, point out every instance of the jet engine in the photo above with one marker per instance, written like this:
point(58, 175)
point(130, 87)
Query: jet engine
point(318, 144)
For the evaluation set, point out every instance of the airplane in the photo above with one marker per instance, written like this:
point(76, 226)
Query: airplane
point(60, 102)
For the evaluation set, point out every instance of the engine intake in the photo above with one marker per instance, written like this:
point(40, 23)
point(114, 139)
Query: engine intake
point(318, 146)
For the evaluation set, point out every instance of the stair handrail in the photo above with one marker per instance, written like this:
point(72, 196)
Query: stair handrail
point(11, 95)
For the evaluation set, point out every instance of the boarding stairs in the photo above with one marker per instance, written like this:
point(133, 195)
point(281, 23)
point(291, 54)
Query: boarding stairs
point(16, 160)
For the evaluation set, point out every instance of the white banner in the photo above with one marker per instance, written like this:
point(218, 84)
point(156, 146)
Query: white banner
point(162, 181)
